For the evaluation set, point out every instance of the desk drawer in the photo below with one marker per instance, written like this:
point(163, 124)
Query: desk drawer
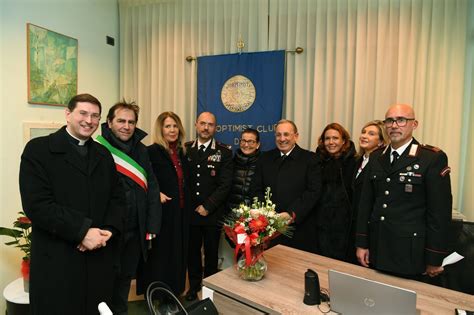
point(228, 306)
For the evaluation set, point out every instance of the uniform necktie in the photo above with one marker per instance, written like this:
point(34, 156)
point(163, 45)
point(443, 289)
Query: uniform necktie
point(395, 157)
point(201, 150)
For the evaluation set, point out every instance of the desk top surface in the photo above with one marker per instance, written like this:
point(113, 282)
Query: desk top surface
point(281, 290)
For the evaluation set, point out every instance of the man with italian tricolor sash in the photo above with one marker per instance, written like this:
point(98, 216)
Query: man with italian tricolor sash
point(143, 217)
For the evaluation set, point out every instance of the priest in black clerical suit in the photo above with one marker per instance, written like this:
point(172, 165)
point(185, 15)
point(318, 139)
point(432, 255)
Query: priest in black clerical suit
point(69, 190)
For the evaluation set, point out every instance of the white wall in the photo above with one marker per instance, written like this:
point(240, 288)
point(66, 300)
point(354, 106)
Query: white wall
point(89, 21)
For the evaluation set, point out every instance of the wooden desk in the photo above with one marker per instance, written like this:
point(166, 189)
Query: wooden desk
point(281, 290)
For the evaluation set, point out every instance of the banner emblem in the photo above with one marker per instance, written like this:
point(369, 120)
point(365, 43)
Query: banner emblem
point(238, 94)
point(243, 91)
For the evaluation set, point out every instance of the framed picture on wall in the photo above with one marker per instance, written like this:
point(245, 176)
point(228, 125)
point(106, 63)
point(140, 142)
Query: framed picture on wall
point(33, 130)
point(52, 66)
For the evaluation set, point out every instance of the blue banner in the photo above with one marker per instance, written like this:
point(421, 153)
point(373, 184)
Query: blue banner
point(242, 91)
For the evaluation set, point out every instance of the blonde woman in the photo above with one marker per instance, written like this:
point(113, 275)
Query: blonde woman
point(168, 257)
point(372, 137)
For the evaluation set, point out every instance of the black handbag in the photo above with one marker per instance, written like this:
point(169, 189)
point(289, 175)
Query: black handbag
point(203, 307)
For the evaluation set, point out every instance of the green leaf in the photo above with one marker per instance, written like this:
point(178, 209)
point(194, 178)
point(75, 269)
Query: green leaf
point(12, 242)
point(10, 232)
point(23, 226)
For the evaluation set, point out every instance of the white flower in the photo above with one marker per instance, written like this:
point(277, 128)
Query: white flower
point(255, 213)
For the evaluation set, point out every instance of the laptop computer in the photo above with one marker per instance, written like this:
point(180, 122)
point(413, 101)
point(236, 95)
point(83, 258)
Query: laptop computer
point(352, 295)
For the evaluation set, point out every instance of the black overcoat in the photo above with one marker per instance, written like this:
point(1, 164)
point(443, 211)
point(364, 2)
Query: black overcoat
point(64, 196)
point(295, 184)
point(210, 181)
point(335, 205)
point(167, 258)
point(405, 210)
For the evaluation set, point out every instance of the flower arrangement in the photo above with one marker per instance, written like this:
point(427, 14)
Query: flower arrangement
point(21, 232)
point(250, 229)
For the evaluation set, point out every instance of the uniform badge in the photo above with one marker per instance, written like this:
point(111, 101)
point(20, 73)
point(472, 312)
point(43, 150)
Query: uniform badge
point(213, 172)
point(445, 171)
point(402, 178)
point(409, 188)
point(416, 166)
point(408, 168)
point(216, 157)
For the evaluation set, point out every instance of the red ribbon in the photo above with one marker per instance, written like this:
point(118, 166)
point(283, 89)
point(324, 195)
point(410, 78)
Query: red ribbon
point(246, 247)
point(249, 242)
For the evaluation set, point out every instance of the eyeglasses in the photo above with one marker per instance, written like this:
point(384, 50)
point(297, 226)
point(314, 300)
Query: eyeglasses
point(249, 142)
point(400, 121)
point(93, 116)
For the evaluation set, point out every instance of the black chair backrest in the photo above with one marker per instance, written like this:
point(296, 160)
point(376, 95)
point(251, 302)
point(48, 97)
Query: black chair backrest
point(460, 276)
point(165, 290)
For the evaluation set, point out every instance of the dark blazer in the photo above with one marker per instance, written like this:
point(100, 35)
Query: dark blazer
point(210, 180)
point(143, 206)
point(295, 185)
point(357, 184)
point(64, 195)
point(168, 256)
point(405, 210)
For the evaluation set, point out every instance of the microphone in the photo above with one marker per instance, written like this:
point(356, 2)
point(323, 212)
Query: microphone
point(311, 288)
point(104, 309)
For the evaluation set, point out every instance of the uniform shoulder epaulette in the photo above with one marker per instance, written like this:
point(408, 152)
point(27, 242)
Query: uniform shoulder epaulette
point(187, 144)
point(227, 146)
point(430, 147)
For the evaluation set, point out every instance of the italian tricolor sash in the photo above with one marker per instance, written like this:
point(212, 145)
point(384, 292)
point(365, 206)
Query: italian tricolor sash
point(125, 164)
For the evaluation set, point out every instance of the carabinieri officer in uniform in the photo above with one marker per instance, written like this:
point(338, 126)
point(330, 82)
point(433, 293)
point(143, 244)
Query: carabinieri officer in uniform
point(211, 178)
point(405, 207)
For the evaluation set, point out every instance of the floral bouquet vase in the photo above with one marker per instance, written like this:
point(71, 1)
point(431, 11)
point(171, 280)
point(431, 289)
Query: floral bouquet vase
point(250, 228)
point(253, 268)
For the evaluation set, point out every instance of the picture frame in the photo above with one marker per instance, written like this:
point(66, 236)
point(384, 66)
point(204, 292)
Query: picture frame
point(52, 66)
point(33, 130)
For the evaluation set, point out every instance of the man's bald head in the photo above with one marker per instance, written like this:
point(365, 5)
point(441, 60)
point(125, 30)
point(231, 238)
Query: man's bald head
point(404, 115)
point(406, 109)
point(205, 126)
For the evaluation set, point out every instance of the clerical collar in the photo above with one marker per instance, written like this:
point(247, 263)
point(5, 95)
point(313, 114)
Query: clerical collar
point(79, 141)
point(401, 149)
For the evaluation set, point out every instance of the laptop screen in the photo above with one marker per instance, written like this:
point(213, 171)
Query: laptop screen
point(352, 295)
